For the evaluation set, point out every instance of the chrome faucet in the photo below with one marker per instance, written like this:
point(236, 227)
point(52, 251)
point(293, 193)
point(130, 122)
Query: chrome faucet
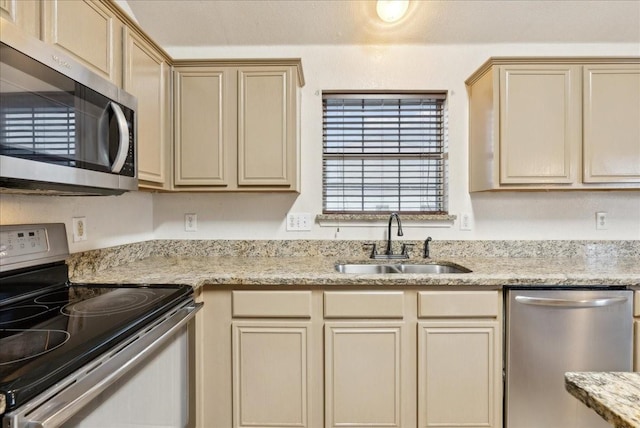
point(389, 251)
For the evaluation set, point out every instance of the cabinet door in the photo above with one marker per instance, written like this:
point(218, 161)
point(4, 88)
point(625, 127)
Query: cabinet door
point(636, 359)
point(200, 129)
point(147, 77)
point(24, 13)
point(459, 374)
point(611, 123)
point(64, 22)
point(270, 374)
point(539, 124)
point(266, 126)
point(363, 374)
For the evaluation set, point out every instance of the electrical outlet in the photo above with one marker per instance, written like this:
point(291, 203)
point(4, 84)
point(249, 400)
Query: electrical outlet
point(79, 225)
point(465, 221)
point(190, 222)
point(602, 223)
point(298, 222)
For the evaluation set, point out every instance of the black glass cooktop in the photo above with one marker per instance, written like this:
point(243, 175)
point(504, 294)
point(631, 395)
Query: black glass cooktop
point(48, 330)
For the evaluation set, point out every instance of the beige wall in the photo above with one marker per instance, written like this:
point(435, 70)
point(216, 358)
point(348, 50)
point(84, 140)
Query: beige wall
point(532, 215)
point(513, 215)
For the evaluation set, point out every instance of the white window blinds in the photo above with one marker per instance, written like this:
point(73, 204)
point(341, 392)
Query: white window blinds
point(384, 153)
point(45, 129)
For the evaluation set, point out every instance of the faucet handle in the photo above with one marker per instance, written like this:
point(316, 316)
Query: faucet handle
point(373, 249)
point(405, 249)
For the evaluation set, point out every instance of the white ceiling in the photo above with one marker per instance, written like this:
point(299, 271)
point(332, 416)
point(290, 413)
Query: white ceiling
point(328, 22)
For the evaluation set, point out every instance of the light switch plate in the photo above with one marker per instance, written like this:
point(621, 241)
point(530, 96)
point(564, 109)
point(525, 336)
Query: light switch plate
point(298, 222)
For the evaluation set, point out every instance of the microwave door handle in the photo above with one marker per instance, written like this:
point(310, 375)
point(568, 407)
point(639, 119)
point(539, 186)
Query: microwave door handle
point(568, 303)
point(123, 131)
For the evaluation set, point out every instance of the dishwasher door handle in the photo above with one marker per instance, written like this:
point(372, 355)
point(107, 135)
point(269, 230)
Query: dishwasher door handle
point(570, 303)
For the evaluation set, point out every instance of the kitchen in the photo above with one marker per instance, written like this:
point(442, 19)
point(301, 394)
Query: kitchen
point(372, 61)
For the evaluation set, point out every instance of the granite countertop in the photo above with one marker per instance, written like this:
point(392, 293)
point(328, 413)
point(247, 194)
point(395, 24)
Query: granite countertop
point(614, 396)
point(320, 271)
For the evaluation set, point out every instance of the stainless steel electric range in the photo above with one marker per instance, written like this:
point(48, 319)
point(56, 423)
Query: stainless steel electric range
point(62, 344)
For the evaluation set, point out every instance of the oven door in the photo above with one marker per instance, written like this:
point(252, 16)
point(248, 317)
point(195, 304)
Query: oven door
point(125, 386)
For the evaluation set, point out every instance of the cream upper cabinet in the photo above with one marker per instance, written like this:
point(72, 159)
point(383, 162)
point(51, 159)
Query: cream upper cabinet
point(611, 123)
point(147, 76)
point(539, 124)
point(202, 124)
point(23, 13)
point(553, 123)
point(237, 125)
point(88, 30)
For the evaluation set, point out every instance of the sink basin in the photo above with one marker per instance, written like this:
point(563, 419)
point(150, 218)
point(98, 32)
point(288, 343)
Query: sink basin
point(433, 268)
point(363, 268)
point(400, 268)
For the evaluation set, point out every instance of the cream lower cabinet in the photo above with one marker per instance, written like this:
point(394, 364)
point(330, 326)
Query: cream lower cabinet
point(237, 125)
point(256, 362)
point(348, 358)
point(459, 359)
point(367, 360)
point(363, 374)
point(554, 123)
point(270, 374)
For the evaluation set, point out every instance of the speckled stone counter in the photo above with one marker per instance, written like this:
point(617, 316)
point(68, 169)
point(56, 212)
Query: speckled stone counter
point(614, 396)
point(309, 263)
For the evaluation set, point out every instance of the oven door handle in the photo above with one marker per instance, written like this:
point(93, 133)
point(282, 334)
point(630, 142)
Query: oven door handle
point(98, 376)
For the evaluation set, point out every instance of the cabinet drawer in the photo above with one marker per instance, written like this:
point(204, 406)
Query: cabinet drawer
point(636, 304)
point(444, 304)
point(363, 304)
point(271, 304)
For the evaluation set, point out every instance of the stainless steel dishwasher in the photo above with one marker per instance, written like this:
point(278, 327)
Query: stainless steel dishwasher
point(553, 331)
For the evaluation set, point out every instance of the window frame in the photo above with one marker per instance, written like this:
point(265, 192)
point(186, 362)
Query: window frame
point(441, 156)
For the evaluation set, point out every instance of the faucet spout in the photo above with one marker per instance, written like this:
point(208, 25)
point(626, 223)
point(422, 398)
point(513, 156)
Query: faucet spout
point(391, 217)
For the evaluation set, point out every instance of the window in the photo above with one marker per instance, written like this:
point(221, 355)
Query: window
point(384, 153)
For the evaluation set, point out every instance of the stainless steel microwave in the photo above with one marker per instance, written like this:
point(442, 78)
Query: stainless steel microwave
point(63, 128)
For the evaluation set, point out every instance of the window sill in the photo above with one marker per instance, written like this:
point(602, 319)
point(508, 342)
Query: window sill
point(374, 220)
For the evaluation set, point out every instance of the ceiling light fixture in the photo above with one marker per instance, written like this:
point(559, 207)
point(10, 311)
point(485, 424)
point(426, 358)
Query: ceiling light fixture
point(391, 10)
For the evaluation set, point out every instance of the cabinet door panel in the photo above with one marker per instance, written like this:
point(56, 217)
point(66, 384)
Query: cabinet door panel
point(270, 374)
point(539, 127)
point(636, 359)
point(612, 124)
point(146, 78)
point(362, 374)
point(199, 128)
point(458, 374)
point(264, 121)
point(24, 13)
point(66, 20)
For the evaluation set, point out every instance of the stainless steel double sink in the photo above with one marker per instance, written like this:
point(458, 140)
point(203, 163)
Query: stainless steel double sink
point(400, 268)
